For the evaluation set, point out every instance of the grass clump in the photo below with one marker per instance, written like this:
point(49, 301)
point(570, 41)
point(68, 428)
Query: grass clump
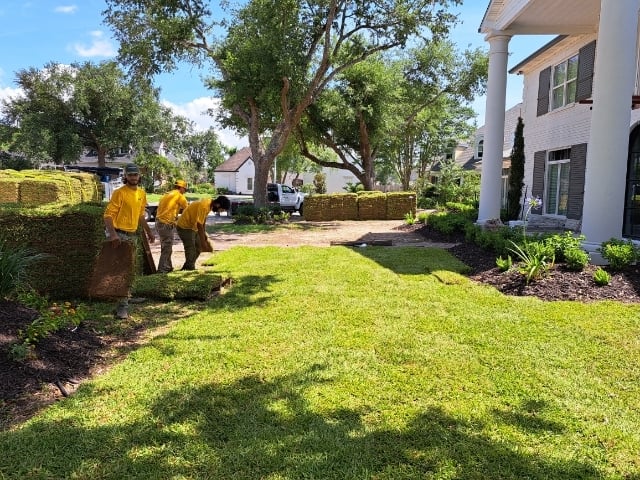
point(194, 284)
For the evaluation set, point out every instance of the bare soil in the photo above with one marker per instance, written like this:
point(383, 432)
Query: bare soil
point(67, 357)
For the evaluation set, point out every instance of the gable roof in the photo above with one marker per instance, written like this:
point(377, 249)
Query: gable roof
point(235, 161)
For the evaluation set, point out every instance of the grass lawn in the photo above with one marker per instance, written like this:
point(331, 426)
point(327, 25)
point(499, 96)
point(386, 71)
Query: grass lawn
point(339, 363)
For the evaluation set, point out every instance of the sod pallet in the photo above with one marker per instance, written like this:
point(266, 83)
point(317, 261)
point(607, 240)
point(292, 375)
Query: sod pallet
point(372, 206)
point(317, 208)
point(399, 204)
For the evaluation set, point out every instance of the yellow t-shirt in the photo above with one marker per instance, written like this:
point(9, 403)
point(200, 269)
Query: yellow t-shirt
point(196, 213)
point(126, 207)
point(169, 206)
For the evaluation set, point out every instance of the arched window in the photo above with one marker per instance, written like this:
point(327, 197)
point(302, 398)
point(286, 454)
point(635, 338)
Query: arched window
point(480, 148)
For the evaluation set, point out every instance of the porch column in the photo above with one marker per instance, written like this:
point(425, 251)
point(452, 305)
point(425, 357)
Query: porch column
point(606, 167)
point(491, 176)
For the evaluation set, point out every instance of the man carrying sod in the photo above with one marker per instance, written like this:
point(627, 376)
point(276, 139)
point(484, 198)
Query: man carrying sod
point(191, 224)
point(122, 216)
point(169, 206)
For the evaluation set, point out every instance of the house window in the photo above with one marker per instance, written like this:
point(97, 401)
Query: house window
point(480, 149)
point(250, 184)
point(564, 84)
point(557, 185)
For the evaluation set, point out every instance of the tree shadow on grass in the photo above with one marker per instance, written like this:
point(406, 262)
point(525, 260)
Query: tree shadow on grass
point(258, 428)
point(413, 260)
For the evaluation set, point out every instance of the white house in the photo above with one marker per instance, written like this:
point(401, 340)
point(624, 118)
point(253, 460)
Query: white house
point(582, 140)
point(236, 174)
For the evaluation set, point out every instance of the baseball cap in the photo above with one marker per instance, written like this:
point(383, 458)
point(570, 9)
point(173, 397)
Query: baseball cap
point(181, 184)
point(131, 168)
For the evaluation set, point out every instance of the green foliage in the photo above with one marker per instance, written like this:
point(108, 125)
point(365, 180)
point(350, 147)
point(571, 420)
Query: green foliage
point(53, 317)
point(576, 258)
point(564, 242)
point(456, 185)
point(516, 173)
point(250, 214)
point(601, 277)
point(422, 217)
point(14, 265)
point(448, 223)
point(619, 253)
point(320, 183)
point(353, 187)
point(535, 259)
point(504, 264)
point(204, 189)
point(409, 218)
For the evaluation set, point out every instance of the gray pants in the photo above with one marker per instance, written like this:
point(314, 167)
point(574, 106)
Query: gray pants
point(191, 242)
point(165, 233)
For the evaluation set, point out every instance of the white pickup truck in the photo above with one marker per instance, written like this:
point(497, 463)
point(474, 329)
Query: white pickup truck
point(289, 199)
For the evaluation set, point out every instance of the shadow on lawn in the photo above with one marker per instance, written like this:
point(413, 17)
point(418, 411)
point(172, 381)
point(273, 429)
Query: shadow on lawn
point(255, 428)
point(412, 260)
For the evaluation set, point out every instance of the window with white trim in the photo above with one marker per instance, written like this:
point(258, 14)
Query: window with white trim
point(557, 184)
point(250, 184)
point(480, 148)
point(564, 82)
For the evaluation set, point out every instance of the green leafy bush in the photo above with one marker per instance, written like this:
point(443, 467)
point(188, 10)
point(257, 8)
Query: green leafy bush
point(504, 264)
point(618, 253)
point(409, 219)
point(561, 243)
point(601, 277)
point(576, 258)
point(204, 188)
point(249, 214)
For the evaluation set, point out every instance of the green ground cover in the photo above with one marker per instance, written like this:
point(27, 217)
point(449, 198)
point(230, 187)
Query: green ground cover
point(339, 363)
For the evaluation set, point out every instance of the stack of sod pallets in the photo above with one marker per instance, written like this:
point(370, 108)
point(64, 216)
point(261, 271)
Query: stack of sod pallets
point(399, 204)
point(42, 187)
point(344, 206)
point(372, 205)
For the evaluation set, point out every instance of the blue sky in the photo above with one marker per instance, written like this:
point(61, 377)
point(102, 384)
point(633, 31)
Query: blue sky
point(35, 32)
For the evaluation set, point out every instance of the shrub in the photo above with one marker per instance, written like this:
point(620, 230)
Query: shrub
point(504, 264)
point(576, 258)
point(204, 188)
point(249, 214)
point(422, 217)
point(448, 223)
point(14, 262)
point(561, 243)
point(409, 219)
point(601, 277)
point(619, 253)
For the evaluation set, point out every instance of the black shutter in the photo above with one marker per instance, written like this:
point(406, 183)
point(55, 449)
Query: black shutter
point(544, 83)
point(576, 181)
point(586, 60)
point(537, 188)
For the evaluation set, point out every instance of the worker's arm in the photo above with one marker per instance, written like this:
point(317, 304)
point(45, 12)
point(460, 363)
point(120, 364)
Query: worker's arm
point(147, 229)
point(112, 236)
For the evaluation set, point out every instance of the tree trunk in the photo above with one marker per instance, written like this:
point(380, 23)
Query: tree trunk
point(102, 156)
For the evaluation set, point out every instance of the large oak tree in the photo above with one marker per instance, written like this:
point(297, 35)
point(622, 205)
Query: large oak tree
point(275, 57)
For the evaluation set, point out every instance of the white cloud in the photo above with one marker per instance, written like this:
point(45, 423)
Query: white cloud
point(66, 9)
point(196, 111)
point(100, 46)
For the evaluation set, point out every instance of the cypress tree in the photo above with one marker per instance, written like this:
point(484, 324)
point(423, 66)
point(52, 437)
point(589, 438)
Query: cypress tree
point(516, 173)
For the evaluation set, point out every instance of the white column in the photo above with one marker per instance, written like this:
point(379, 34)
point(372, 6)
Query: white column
point(491, 176)
point(607, 152)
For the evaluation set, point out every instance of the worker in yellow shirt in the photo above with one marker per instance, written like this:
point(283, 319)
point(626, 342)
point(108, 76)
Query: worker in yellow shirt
point(191, 223)
point(122, 216)
point(169, 206)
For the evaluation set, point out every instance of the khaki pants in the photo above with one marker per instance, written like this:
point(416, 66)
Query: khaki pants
point(192, 248)
point(165, 233)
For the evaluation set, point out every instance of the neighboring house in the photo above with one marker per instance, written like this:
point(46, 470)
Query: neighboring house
point(469, 156)
point(237, 173)
point(581, 133)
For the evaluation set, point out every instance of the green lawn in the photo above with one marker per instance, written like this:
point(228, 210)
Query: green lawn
point(339, 363)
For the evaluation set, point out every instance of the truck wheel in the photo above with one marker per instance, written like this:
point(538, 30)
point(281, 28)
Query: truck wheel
point(147, 215)
point(300, 209)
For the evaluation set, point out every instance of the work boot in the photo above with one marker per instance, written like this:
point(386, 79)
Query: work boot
point(122, 312)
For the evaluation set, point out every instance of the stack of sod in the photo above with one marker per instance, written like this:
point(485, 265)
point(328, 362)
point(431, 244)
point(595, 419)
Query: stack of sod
point(316, 208)
point(399, 204)
point(372, 205)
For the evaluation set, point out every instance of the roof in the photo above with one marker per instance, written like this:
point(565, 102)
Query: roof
point(235, 161)
point(540, 51)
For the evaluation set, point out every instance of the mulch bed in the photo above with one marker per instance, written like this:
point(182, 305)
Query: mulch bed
point(67, 357)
